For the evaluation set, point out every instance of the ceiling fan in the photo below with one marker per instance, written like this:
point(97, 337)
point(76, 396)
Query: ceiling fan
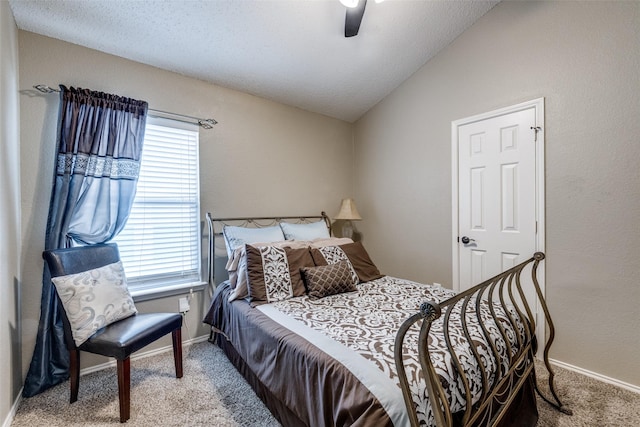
point(353, 17)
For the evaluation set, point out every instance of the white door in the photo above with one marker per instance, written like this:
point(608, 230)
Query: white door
point(497, 189)
point(497, 193)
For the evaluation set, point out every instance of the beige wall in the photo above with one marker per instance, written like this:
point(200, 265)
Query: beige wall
point(10, 243)
point(263, 158)
point(584, 58)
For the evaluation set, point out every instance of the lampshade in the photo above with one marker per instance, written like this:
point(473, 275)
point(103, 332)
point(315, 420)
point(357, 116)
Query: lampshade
point(348, 210)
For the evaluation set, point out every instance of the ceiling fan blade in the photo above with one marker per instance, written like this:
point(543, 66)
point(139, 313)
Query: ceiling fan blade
point(353, 19)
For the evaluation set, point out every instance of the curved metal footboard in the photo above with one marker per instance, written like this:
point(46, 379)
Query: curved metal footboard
point(501, 296)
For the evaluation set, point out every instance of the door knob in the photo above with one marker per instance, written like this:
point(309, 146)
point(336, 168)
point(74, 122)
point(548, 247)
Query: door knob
point(466, 240)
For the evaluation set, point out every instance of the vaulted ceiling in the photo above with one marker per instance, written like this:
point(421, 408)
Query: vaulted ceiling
point(289, 51)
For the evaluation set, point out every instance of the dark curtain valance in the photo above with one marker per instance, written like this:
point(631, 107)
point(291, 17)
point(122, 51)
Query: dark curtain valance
point(88, 116)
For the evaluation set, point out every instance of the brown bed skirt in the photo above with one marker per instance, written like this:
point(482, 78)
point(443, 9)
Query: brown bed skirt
point(275, 406)
point(523, 411)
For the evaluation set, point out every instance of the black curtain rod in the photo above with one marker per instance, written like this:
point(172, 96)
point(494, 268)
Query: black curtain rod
point(203, 123)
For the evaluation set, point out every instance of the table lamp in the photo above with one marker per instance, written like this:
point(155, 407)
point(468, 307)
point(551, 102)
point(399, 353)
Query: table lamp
point(348, 212)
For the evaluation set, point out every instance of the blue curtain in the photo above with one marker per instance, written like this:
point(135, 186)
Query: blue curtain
point(99, 143)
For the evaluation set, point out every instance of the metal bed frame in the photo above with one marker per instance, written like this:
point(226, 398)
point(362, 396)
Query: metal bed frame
point(504, 290)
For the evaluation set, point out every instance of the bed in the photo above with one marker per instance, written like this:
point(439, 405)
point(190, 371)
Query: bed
point(325, 339)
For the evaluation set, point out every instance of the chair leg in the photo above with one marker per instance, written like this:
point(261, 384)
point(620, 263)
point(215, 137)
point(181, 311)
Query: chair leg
point(176, 337)
point(124, 388)
point(74, 374)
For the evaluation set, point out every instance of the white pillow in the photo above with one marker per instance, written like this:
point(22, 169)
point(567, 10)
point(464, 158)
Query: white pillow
point(236, 237)
point(309, 231)
point(94, 299)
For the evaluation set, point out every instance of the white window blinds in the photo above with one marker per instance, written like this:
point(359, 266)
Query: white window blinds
point(160, 244)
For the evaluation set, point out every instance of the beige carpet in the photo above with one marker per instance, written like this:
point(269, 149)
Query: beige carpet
point(210, 393)
point(213, 393)
point(594, 403)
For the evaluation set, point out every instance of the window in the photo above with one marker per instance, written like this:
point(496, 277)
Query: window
point(160, 244)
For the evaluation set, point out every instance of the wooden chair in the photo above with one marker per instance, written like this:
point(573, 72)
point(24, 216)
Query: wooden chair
point(119, 339)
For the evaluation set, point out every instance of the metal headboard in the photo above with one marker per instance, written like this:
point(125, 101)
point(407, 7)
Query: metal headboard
point(215, 226)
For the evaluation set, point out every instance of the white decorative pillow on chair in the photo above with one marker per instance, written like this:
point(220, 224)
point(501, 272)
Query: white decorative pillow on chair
point(94, 299)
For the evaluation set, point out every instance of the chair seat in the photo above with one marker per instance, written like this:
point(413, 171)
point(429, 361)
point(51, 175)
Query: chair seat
point(129, 335)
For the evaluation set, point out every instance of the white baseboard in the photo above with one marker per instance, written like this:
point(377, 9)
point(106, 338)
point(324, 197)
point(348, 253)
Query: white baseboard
point(142, 355)
point(596, 376)
point(12, 413)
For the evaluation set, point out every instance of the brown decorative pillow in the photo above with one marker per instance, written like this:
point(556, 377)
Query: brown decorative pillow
point(329, 279)
point(355, 253)
point(237, 266)
point(273, 273)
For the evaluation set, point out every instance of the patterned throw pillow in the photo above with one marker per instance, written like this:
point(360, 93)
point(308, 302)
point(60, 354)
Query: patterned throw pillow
point(94, 299)
point(273, 273)
point(361, 263)
point(237, 266)
point(329, 279)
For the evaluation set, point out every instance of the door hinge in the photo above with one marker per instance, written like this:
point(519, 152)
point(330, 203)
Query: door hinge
point(535, 129)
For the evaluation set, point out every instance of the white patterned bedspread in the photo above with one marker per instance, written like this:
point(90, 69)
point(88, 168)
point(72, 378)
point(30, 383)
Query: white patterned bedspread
point(366, 321)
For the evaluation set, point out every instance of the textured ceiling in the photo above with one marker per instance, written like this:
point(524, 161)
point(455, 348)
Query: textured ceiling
point(290, 51)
